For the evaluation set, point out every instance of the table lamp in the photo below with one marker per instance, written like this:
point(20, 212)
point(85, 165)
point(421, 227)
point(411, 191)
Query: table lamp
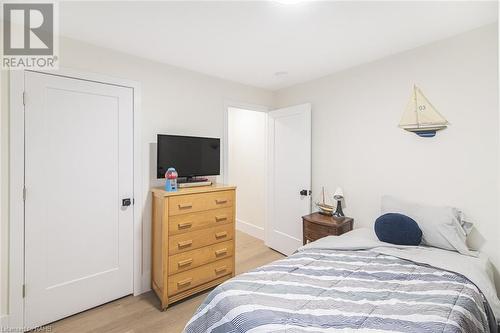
point(339, 196)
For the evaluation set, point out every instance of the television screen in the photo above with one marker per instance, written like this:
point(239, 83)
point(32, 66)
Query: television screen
point(190, 156)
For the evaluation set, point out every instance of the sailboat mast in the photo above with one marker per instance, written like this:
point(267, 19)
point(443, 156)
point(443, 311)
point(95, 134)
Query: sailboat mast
point(323, 189)
point(416, 104)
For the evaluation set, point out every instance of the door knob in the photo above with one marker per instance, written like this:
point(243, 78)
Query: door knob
point(126, 202)
point(305, 192)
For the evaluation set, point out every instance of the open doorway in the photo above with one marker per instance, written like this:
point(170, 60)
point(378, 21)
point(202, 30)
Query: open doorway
point(247, 167)
point(267, 155)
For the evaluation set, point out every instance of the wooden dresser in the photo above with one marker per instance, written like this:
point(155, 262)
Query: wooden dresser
point(192, 241)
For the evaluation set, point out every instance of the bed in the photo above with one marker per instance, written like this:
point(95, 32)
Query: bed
point(356, 283)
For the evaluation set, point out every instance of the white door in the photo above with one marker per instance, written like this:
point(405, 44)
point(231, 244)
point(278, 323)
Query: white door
point(78, 168)
point(289, 176)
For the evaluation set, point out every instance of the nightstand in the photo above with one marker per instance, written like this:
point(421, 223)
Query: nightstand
point(316, 226)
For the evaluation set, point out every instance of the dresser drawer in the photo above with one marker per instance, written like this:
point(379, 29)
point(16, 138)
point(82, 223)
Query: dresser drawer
point(195, 258)
point(194, 277)
point(196, 239)
point(195, 221)
point(183, 204)
point(319, 230)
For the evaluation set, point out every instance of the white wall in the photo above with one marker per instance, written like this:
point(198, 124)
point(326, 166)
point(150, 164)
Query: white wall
point(247, 167)
point(357, 145)
point(174, 101)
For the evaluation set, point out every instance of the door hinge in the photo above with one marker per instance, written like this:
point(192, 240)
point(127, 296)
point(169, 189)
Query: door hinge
point(24, 193)
point(24, 290)
point(24, 98)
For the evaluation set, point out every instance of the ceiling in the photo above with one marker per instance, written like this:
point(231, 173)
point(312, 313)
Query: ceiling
point(249, 42)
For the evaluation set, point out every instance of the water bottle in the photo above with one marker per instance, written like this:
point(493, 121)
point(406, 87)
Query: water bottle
point(171, 183)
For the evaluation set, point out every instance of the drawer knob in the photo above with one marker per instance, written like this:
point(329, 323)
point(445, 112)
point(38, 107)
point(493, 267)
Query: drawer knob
point(220, 201)
point(220, 218)
point(184, 225)
point(186, 262)
point(220, 252)
point(221, 269)
point(185, 205)
point(184, 283)
point(221, 234)
point(185, 243)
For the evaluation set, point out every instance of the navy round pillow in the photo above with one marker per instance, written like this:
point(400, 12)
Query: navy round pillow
point(398, 229)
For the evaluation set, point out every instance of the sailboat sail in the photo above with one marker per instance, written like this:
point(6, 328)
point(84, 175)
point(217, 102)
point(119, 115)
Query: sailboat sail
point(409, 116)
point(421, 116)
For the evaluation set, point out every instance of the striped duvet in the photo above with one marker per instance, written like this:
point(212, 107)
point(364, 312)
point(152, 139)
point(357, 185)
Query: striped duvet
point(319, 290)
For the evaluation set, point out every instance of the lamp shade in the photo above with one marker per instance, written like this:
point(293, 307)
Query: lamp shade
point(339, 194)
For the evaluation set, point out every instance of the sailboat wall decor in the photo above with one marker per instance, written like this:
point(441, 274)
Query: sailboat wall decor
point(421, 117)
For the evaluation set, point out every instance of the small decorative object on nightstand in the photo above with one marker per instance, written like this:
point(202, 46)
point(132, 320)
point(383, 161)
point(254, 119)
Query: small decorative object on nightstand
point(316, 226)
point(339, 196)
point(323, 207)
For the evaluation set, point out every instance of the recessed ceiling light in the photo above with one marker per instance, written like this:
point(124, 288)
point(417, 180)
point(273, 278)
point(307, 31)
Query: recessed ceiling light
point(288, 2)
point(281, 74)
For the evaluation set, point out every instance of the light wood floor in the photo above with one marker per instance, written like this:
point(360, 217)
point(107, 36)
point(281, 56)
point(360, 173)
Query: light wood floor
point(141, 314)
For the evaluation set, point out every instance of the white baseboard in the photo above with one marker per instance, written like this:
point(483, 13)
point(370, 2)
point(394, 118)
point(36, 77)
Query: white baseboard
point(251, 229)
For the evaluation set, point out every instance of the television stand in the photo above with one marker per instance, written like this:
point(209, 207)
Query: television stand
point(193, 182)
point(192, 179)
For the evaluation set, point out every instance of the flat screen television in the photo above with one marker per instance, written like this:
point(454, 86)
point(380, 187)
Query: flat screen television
point(191, 156)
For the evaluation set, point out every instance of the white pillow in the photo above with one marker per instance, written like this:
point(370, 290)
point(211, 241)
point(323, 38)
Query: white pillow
point(441, 226)
point(466, 224)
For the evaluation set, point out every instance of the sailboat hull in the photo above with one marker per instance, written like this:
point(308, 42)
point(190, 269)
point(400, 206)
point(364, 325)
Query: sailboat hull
point(425, 132)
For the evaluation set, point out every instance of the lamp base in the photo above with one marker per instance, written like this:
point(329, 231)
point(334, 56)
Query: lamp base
point(338, 212)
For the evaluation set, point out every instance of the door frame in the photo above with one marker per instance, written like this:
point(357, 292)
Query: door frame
point(225, 157)
point(15, 317)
